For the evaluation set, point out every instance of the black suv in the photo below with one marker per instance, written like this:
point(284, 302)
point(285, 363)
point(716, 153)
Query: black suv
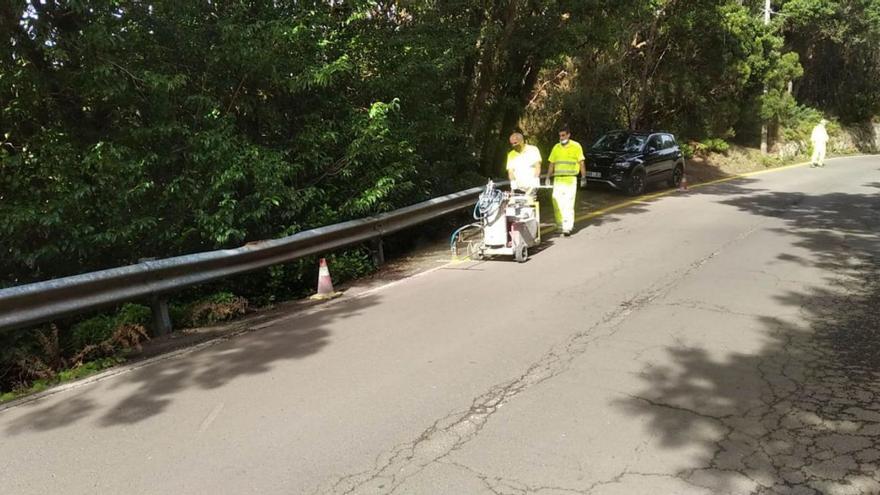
point(629, 160)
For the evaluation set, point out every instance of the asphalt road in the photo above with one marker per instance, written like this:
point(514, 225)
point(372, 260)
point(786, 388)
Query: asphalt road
point(720, 341)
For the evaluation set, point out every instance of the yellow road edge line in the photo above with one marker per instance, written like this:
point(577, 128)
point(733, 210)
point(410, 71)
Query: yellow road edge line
point(650, 197)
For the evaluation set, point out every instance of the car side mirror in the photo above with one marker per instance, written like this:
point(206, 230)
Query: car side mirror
point(650, 149)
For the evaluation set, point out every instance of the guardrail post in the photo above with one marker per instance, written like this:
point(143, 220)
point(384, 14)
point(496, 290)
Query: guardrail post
point(378, 251)
point(161, 316)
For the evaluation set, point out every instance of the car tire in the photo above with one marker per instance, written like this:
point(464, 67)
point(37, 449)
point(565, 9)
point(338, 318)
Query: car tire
point(677, 174)
point(638, 181)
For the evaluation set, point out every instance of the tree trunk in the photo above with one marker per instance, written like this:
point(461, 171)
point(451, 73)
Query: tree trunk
point(488, 67)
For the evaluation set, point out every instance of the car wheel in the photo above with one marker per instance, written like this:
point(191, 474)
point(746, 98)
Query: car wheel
point(637, 182)
point(677, 174)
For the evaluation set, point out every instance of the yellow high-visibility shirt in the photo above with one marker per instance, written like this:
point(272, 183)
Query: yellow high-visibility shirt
point(522, 163)
point(566, 159)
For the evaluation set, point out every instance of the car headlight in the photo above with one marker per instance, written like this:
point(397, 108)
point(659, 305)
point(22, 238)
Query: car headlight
point(623, 164)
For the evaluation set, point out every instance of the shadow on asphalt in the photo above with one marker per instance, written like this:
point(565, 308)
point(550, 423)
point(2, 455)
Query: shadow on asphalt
point(812, 425)
point(597, 198)
point(156, 385)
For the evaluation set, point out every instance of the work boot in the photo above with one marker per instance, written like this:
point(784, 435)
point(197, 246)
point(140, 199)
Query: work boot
point(566, 233)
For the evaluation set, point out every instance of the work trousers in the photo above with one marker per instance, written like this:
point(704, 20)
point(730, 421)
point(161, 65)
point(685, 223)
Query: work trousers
point(818, 154)
point(564, 193)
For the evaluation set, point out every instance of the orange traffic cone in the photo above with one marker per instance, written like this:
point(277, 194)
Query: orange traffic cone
point(325, 283)
point(683, 185)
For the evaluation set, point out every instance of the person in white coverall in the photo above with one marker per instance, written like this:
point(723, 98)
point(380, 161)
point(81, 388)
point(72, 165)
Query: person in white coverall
point(820, 141)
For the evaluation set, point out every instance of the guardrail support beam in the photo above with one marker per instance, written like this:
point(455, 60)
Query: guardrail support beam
point(161, 316)
point(378, 251)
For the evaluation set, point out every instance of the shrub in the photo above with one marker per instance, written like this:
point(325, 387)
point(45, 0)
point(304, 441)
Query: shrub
point(798, 126)
point(100, 328)
point(179, 313)
point(351, 264)
point(48, 360)
point(770, 161)
point(90, 332)
point(715, 145)
point(134, 314)
point(222, 306)
point(125, 337)
point(89, 368)
point(66, 375)
point(687, 150)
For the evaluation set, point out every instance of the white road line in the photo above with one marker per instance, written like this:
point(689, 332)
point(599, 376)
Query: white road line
point(211, 417)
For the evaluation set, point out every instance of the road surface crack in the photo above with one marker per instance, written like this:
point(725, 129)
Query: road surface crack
point(454, 431)
point(719, 419)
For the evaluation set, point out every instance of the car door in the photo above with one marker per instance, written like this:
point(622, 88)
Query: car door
point(669, 155)
point(654, 157)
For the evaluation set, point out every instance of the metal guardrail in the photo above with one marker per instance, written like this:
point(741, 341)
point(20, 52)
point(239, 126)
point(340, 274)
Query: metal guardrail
point(41, 302)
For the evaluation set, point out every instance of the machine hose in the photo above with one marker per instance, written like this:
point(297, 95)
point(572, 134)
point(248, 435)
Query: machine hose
point(487, 207)
point(489, 203)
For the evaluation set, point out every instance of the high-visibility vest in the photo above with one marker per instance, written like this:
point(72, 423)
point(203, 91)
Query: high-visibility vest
point(566, 159)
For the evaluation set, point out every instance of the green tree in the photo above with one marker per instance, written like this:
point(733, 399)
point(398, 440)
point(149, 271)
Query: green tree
point(839, 45)
point(150, 128)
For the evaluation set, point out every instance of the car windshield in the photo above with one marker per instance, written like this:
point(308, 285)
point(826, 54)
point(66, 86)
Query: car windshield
point(620, 142)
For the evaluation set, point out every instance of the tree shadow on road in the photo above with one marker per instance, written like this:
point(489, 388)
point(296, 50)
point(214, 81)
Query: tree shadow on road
point(615, 206)
point(149, 390)
point(801, 415)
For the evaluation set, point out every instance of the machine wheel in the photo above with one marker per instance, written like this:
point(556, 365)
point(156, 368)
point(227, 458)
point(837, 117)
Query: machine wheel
point(521, 253)
point(475, 251)
point(478, 254)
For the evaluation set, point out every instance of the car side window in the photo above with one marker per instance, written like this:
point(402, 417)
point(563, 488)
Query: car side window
point(655, 143)
point(668, 142)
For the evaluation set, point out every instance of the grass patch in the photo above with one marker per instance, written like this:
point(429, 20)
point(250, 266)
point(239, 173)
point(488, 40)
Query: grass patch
point(64, 376)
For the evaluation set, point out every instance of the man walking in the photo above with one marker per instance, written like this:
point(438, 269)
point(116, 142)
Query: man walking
point(566, 163)
point(820, 140)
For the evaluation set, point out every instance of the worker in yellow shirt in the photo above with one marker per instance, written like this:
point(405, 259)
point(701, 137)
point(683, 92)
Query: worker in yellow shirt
point(566, 163)
point(524, 166)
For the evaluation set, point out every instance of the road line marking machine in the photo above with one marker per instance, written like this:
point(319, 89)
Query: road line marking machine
point(508, 224)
